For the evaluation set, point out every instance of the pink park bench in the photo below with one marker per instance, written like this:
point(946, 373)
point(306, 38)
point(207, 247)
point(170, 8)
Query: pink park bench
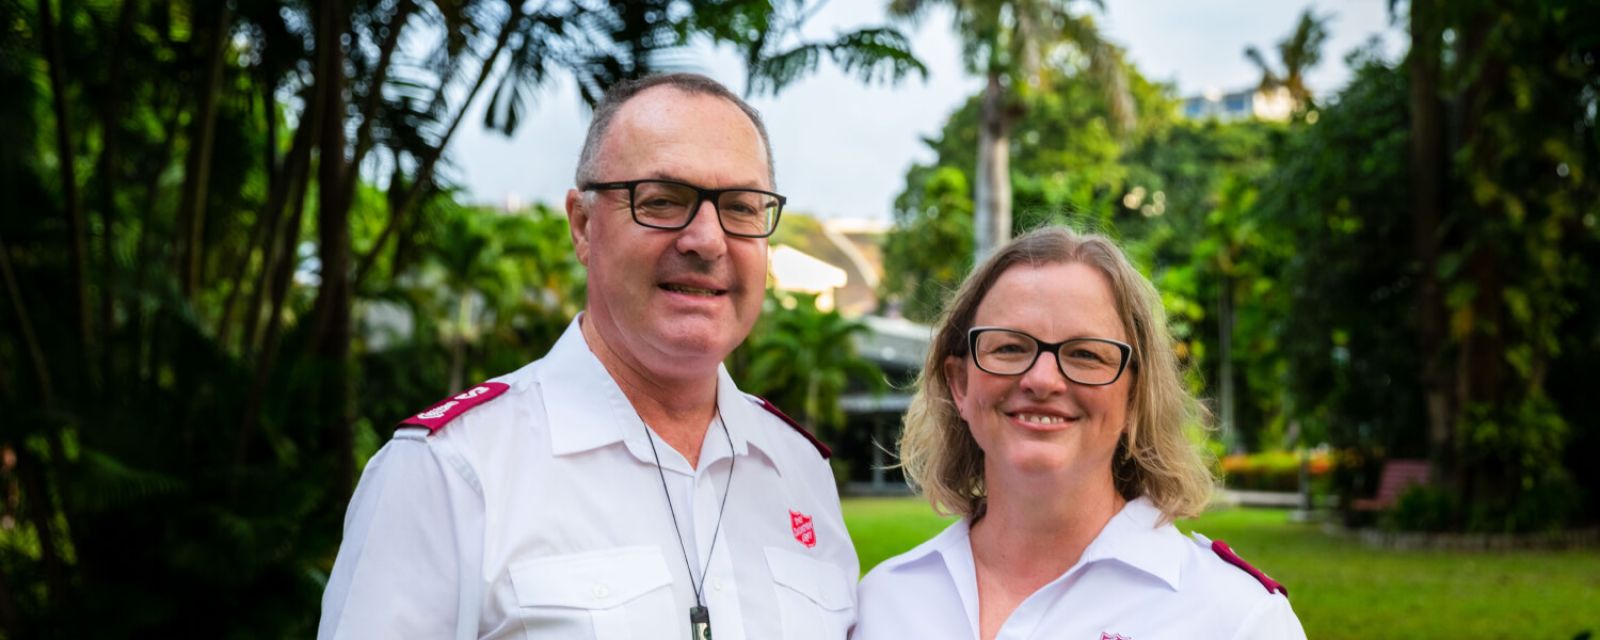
point(1398, 476)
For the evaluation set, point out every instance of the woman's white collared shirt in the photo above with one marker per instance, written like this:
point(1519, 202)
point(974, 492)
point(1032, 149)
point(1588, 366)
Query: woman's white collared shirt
point(1135, 581)
point(541, 514)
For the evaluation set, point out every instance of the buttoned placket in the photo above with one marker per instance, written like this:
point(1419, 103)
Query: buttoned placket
point(696, 499)
point(721, 593)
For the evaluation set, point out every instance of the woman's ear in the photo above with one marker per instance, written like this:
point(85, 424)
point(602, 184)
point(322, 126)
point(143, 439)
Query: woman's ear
point(955, 378)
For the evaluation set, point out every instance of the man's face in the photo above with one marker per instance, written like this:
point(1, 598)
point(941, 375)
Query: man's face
point(671, 302)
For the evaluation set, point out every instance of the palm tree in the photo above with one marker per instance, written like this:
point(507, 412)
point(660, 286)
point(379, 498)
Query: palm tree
point(1298, 52)
point(1006, 42)
point(803, 358)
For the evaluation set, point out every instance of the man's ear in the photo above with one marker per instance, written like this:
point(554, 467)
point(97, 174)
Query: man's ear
point(955, 378)
point(578, 225)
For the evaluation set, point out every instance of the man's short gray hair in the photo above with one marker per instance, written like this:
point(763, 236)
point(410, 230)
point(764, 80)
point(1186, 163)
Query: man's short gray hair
point(621, 93)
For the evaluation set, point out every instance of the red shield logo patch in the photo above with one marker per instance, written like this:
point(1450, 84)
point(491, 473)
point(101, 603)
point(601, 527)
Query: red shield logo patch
point(800, 523)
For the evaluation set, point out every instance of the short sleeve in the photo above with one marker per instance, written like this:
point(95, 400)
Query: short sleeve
point(1273, 619)
point(409, 556)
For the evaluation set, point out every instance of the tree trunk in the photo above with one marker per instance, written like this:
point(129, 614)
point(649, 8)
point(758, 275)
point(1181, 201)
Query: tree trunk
point(1483, 375)
point(110, 135)
point(197, 165)
point(77, 229)
point(331, 311)
point(992, 188)
point(1228, 409)
point(278, 269)
point(40, 513)
point(143, 251)
point(288, 190)
point(373, 100)
point(36, 356)
point(1428, 165)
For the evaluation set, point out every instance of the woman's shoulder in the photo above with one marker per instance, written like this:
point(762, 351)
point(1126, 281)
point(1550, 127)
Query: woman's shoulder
point(1237, 590)
point(934, 551)
point(1216, 567)
point(917, 594)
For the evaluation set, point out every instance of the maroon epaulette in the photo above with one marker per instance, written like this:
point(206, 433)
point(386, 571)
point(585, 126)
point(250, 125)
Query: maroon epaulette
point(442, 412)
point(1226, 553)
point(773, 409)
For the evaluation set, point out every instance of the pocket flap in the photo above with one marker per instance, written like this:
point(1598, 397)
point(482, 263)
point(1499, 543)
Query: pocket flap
point(823, 583)
point(590, 580)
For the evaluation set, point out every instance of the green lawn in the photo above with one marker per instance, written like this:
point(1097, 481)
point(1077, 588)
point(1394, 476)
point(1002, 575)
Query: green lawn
point(1340, 588)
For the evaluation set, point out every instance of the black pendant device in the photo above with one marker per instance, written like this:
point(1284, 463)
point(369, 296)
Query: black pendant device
point(699, 623)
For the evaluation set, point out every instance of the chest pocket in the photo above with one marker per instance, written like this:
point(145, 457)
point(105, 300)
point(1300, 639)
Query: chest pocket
point(615, 594)
point(815, 599)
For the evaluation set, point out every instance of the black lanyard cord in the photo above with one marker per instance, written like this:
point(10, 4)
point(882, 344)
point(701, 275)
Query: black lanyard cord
point(726, 489)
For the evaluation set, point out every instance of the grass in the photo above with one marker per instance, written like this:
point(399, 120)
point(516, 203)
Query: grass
point(1340, 588)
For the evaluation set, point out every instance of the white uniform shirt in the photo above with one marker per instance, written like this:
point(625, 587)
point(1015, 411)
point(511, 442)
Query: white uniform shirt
point(540, 514)
point(1135, 581)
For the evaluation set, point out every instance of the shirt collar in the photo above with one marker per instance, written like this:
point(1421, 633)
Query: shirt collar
point(1135, 537)
point(584, 406)
point(587, 410)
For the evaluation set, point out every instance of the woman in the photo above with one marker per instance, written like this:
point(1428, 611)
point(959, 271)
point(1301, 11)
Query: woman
point(1050, 417)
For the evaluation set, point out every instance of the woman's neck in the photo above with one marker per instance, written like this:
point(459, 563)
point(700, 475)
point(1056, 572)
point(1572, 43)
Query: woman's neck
point(1031, 533)
point(1026, 523)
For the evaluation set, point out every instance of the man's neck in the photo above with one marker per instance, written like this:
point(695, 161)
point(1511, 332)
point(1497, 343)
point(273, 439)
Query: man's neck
point(679, 409)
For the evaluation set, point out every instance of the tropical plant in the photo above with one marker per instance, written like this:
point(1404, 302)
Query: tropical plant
point(207, 205)
point(1009, 43)
point(1297, 54)
point(804, 359)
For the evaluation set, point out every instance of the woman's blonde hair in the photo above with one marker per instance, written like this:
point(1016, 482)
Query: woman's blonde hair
point(1154, 458)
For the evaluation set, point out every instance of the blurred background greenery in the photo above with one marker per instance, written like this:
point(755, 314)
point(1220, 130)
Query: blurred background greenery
point(230, 261)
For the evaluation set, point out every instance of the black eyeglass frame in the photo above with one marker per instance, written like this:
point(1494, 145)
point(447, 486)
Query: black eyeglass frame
point(1041, 347)
point(702, 194)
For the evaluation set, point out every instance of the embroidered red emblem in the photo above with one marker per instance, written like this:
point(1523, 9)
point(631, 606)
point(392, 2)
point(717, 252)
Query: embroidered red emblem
point(1107, 635)
point(800, 523)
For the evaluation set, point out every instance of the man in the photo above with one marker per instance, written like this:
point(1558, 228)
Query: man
point(621, 486)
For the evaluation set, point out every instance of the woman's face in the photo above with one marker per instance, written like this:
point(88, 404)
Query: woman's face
point(1039, 424)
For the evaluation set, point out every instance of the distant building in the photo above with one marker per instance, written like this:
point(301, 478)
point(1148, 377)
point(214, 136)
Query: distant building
point(841, 262)
point(1259, 104)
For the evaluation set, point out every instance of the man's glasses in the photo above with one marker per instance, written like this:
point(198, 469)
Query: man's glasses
point(1087, 361)
point(672, 205)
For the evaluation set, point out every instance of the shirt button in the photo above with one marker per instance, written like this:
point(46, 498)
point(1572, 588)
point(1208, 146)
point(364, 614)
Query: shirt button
point(600, 591)
point(716, 584)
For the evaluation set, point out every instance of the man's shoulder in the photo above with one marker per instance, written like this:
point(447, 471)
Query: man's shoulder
point(488, 400)
point(790, 425)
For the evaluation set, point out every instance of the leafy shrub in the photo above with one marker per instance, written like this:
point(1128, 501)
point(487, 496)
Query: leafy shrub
point(1422, 508)
point(1275, 470)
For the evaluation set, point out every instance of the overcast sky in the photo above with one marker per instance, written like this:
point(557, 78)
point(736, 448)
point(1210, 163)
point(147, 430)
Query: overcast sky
point(842, 148)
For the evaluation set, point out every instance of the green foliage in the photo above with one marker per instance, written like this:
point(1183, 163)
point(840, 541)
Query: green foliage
point(1300, 269)
point(1064, 165)
point(1423, 508)
point(802, 358)
point(214, 307)
point(1338, 198)
point(923, 254)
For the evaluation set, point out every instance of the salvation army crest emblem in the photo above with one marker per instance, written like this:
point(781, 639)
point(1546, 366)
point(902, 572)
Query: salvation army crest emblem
point(800, 523)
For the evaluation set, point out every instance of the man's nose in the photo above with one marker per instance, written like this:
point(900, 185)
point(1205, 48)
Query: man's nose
point(704, 235)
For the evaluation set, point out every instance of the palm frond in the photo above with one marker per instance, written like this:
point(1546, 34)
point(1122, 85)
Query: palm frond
point(878, 54)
